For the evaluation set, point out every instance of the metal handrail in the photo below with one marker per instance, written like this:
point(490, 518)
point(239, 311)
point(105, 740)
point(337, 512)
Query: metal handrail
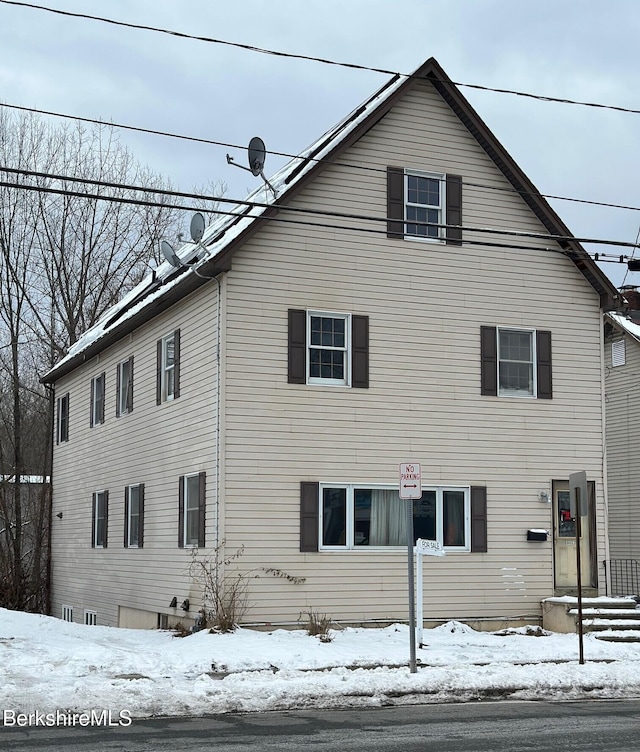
point(623, 577)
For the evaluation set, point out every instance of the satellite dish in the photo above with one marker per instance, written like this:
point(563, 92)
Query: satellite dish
point(257, 155)
point(197, 227)
point(169, 253)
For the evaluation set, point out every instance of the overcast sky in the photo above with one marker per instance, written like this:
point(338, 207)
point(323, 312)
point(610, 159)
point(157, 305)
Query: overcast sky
point(572, 49)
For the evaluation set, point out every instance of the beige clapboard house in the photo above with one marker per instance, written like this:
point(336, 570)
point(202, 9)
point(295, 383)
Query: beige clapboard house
point(269, 407)
point(622, 392)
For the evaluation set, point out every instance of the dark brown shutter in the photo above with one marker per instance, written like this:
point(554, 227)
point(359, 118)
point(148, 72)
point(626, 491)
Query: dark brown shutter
point(297, 371)
point(176, 364)
point(130, 390)
point(106, 517)
point(360, 352)
point(478, 519)
point(158, 372)
point(202, 506)
point(94, 498)
point(141, 515)
point(309, 492)
point(118, 390)
point(395, 202)
point(454, 209)
point(181, 512)
point(93, 396)
point(104, 395)
point(543, 365)
point(126, 516)
point(488, 360)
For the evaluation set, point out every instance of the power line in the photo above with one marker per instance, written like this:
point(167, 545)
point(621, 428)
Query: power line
point(316, 212)
point(311, 58)
point(348, 165)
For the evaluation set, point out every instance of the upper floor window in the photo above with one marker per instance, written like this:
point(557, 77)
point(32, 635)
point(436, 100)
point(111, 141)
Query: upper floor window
point(97, 399)
point(418, 201)
point(423, 205)
point(100, 516)
point(328, 351)
point(124, 387)
point(191, 510)
point(134, 516)
point(62, 419)
point(168, 367)
point(515, 362)
point(331, 349)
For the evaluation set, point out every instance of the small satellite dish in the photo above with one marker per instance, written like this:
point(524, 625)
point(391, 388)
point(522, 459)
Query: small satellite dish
point(169, 253)
point(197, 227)
point(257, 155)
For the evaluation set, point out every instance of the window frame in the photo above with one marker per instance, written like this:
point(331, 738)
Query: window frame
point(62, 419)
point(502, 392)
point(90, 618)
point(97, 406)
point(124, 388)
point(96, 541)
point(184, 512)
point(67, 613)
point(128, 515)
point(162, 394)
point(346, 349)
point(441, 208)
point(350, 489)
point(618, 353)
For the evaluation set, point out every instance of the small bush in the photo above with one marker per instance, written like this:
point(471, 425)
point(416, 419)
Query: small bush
point(316, 624)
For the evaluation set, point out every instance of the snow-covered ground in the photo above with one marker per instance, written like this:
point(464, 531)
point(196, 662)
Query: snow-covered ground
point(48, 665)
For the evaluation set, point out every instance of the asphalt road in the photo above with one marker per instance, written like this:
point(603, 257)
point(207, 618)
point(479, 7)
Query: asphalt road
point(595, 726)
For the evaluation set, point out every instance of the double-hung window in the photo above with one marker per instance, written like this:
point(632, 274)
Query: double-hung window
point(97, 399)
point(134, 516)
point(62, 419)
point(515, 362)
point(328, 350)
point(424, 203)
point(168, 368)
point(359, 517)
point(100, 517)
point(191, 510)
point(124, 387)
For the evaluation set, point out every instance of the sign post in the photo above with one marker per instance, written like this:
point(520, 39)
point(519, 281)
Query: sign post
point(410, 489)
point(424, 547)
point(578, 502)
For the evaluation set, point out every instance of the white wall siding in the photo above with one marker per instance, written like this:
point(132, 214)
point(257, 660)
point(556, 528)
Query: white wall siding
point(426, 303)
point(154, 445)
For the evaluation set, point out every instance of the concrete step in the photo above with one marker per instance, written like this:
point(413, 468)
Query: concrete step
point(615, 636)
point(597, 625)
point(607, 613)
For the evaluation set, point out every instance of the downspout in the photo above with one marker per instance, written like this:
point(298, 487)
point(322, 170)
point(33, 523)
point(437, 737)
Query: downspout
point(605, 485)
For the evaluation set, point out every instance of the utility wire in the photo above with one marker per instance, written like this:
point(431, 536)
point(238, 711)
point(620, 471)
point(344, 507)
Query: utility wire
point(325, 61)
point(322, 213)
point(368, 168)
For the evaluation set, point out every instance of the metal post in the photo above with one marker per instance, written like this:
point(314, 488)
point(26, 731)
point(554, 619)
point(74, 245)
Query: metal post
point(579, 568)
point(419, 598)
point(412, 604)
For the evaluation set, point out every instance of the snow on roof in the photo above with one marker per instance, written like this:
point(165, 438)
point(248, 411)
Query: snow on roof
point(626, 324)
point(226, 228)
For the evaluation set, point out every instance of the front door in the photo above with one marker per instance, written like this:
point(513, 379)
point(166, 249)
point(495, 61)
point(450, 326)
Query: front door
point(564, 537)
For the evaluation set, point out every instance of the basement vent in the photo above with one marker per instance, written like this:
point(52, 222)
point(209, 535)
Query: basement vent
point(618, 357)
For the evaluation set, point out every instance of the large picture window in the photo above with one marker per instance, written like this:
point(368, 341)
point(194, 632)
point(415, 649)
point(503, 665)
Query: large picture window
point(353, 516)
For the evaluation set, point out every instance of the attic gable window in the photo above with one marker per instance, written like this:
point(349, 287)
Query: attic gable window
point(418, 201)
point(618, 355)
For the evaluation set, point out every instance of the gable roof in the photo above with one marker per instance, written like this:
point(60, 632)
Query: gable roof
point(167, 285)
point(625, 324)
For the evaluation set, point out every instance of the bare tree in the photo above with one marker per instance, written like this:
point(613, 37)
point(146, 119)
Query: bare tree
point(66, 258)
